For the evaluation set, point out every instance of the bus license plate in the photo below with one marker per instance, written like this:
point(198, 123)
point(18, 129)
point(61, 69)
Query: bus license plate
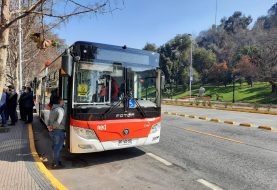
point(124, 142)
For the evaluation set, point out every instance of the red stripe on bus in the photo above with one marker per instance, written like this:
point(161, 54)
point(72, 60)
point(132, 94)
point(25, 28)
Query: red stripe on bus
point(108, 130)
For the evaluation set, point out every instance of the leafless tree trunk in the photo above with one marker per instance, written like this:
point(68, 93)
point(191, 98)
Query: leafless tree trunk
point(4, 41)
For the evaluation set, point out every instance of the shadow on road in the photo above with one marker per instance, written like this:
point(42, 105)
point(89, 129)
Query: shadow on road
point(83, 160)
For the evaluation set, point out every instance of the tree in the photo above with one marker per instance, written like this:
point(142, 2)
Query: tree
point(219, 73)
point(268, 52)
point(246, 69)
point(33, 58)
point(150, 47)
point(203, 60)
point(175, 57)
point(41, 8)
point(236, 22)
point(267, 22)
point(272, 16)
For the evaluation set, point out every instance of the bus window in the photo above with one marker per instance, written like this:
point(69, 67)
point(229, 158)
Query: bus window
point(96, 84)
point(65, 88)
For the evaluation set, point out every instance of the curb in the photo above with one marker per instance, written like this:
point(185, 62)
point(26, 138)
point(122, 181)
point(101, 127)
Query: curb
point(246, 124)
point(55, 182)
point(182, 115)
point(247, 110)
point(215, 120)
point(203, 118)
point(230, 122)
point(218, 120)
point(226, 109)
point(266, 128)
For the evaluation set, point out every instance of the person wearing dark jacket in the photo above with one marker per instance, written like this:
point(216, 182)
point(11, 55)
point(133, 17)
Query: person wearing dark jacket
point(11, 104)
point(28, 104)
point(3, 101)
point(21, 107)
point(54, 98)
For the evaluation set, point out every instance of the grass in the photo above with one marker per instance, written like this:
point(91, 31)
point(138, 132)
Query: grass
point(260, 93)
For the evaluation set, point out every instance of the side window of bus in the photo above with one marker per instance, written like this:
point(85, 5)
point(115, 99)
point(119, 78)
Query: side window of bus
point(65, 88)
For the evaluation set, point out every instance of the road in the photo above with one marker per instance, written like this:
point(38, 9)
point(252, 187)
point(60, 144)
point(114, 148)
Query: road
point(229, 157)
point(239, 117)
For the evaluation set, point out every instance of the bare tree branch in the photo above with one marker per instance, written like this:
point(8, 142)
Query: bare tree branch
point(66, 16)
point(26, 13)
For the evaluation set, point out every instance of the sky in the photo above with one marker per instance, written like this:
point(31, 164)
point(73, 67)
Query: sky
point(155, 21)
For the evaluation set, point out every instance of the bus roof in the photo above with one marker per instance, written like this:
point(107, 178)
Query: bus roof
point(128, 55)
point(105, 46)
point(115, 47)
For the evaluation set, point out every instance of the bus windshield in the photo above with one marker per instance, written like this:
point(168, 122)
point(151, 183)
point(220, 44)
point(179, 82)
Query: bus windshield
point(104, 84)
point(97, 83)
point(142, 85)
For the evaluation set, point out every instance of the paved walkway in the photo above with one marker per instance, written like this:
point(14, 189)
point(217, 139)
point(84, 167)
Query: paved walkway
point(18, 169)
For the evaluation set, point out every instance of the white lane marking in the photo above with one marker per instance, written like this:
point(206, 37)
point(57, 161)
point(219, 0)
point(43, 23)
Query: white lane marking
point(208, 184)
point(159, 159)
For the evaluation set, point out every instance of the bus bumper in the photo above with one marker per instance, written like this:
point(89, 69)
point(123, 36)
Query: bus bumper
point(82, 145)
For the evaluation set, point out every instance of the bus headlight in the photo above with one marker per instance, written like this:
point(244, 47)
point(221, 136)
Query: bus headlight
point(85, 133)
point(155, 128)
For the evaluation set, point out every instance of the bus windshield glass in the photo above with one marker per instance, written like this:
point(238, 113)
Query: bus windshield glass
point(97, 83)
point(142, 85)
point(104, 84)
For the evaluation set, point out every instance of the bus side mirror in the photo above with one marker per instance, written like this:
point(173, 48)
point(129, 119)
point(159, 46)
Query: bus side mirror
point(162, 82)
point(67, 63)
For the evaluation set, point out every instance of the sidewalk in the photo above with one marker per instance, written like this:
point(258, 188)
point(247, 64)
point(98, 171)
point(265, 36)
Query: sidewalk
point(17, 165)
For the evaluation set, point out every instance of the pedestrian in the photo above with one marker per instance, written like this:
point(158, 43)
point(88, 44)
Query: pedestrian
point(3, 101)
point(28, 104)
point(12, 104)
point(21, 106)
point(103, 93)
point(54, 97)
point(115, 90)
point(56, 128)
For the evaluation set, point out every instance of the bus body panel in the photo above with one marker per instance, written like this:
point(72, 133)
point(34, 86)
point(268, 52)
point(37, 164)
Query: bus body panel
point(82, 145)
point(108, 130)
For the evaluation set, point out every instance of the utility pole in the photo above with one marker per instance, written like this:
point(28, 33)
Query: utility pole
point(20, 47)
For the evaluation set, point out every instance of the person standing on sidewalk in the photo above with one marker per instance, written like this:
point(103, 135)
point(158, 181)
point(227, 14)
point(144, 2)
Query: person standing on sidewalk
point(12, 104)
point(21, 107)
point(56, 128)
point(3, 101)
point(28, 104)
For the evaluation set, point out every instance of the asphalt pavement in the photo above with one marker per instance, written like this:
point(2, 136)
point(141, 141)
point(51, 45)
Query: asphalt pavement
point(131, 168)
point(192, 154)
point(239, 117)
point(231, 157)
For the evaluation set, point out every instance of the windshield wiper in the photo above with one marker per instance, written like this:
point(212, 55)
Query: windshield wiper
point(113, 107)
point(125, 99)
point(139, 108)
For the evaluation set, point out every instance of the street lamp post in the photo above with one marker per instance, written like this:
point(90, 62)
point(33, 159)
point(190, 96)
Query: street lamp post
point(171, 91)
point(20, 47)
point(190, 67)
point(233, 78)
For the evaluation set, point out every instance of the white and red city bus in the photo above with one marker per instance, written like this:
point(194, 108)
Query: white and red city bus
point(112, 96)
